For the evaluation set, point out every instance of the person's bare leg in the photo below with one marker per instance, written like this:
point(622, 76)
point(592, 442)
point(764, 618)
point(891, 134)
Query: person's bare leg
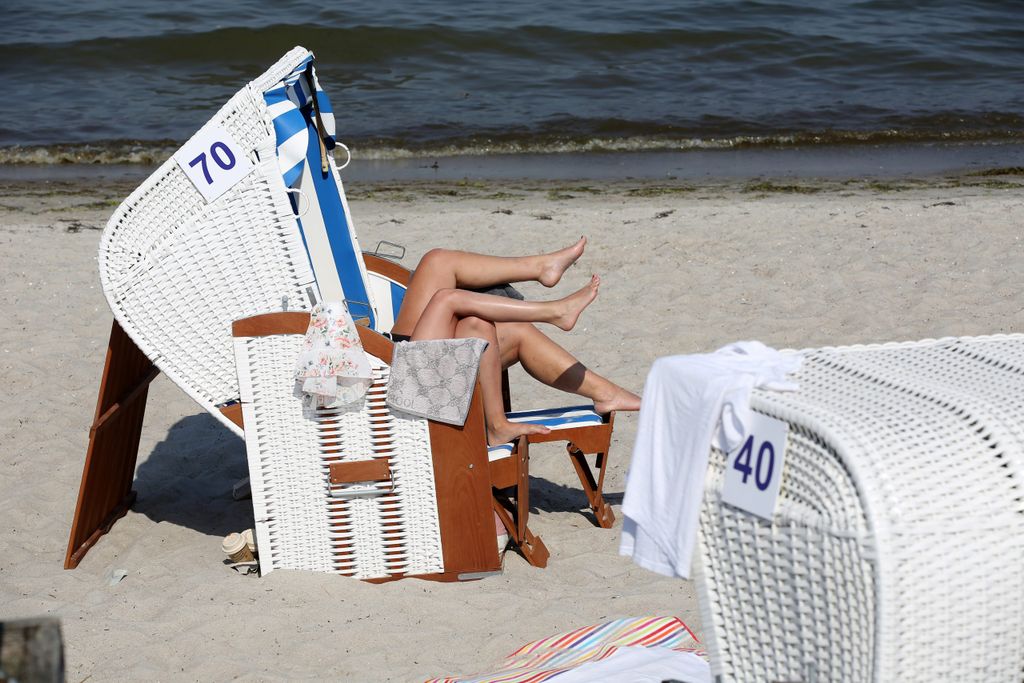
point(448, 269)
point(551, 364)
point(499, 429)
point(448, 306)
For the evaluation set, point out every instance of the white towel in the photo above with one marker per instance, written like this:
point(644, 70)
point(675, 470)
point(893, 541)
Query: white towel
point(332, 367)
point(688, 402)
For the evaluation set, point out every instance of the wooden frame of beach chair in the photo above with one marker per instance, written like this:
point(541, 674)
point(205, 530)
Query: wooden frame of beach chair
point(106, 494)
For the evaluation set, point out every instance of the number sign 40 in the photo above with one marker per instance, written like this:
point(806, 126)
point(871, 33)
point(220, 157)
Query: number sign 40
point(753, 471)
point(213, 161)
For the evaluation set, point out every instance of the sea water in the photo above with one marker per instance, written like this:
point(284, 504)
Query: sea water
point(95, 81)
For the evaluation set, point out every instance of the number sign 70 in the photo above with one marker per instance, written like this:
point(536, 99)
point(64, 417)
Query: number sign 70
point(217, 149)
point(214, 161)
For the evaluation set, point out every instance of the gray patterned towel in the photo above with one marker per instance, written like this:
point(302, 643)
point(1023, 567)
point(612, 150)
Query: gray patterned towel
point(435, 378)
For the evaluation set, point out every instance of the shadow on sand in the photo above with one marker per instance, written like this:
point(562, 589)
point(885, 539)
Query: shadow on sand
point(187, 478)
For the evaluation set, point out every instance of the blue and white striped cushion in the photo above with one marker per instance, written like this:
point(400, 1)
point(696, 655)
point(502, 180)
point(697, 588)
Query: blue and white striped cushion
point(387, 295)
point(555, 418)
point(559, 418)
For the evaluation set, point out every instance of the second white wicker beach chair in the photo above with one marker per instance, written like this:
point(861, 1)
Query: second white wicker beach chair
point(897, 544)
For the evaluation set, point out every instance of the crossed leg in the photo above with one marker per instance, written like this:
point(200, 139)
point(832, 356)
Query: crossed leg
point(447, 269)
point(455, 313)
point(505, 324)
point(552, 365)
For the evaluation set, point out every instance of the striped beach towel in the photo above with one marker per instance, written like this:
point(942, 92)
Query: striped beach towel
point(546, 659)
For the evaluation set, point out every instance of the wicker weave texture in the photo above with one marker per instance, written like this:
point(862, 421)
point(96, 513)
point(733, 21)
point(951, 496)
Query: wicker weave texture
point(301, 519)
point(177, 270)
point(899, 532)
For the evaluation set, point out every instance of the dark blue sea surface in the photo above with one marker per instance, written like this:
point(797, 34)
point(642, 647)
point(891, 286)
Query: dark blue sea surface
point(116, 82)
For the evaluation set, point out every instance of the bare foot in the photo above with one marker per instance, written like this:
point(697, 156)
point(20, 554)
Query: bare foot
point(557, 262)
point(506, 431)
point(617, 399)
point(570, 307)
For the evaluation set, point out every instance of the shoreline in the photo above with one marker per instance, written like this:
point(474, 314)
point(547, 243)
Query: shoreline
point(832, 164)
point(108, 191)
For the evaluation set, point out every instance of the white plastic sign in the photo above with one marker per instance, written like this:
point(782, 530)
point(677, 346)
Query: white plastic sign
point(753, 471)
point(213, 161)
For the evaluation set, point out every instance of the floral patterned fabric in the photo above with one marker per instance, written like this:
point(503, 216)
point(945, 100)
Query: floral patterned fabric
point(332, 367)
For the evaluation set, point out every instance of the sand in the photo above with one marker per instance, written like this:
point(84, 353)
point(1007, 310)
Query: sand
point(685, 269)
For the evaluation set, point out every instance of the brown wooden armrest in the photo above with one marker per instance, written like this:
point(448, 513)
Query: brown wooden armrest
point(387, 268)
point(266, 324)
point(297, 322)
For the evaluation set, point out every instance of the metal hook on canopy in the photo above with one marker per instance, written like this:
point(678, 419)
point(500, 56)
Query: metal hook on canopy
point(301, 212)
point(348, 154)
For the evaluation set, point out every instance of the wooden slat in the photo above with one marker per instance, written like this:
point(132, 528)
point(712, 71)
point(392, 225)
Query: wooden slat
point(588, 438)
point(462, 480)
point(115, 411)
point(288, 322)
point(105, 492)
point(233, 412)
point(359, 470)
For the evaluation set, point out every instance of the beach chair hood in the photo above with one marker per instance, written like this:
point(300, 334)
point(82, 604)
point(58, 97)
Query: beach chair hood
point(177, 268)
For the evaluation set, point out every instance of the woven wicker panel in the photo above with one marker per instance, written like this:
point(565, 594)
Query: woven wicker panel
point(177, 270)
point(899, 532)
point(392, 530)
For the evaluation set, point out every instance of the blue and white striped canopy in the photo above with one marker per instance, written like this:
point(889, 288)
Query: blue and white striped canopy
point(324, 219)
point(290, 106)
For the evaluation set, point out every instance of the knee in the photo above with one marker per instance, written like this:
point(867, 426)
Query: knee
point(473, 326)
point(435, 258)
point(447, 298)
point(513, 334)
point(510, 336)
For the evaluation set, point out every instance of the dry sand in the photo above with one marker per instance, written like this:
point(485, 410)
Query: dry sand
point(685, 270)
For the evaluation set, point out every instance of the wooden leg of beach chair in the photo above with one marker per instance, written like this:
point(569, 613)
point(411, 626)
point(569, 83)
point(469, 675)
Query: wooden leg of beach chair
point(533, 549)
point(513, 473)
point(530, 545)
point(105, 493)
point(602, 511)
point(588, 439)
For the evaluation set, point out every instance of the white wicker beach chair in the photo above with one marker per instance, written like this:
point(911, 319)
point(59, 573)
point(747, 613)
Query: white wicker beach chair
point(178, 269)
point(897, 545)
